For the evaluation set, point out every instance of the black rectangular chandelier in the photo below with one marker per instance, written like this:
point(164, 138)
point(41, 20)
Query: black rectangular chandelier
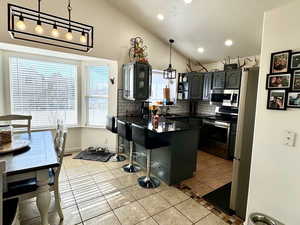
point(36, 26)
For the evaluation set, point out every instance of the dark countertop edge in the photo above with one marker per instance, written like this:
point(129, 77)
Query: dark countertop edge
point(35, 169)
point(190, 115)
point(186, 128)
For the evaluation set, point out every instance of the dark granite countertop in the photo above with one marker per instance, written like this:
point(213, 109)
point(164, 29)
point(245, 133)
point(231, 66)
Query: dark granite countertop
point(164, 126)
point(190, 115)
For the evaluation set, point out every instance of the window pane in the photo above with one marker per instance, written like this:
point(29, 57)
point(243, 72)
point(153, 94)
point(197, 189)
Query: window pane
point(45, 90)
point(97, 95)
point(158, 83)
point(97, 111)
point(98, 80)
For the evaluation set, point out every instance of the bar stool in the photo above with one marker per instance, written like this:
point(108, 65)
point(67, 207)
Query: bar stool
point(150, 141)
point(111, 125)
point(124, 130)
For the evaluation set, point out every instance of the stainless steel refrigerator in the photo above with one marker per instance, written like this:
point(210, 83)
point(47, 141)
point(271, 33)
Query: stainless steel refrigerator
point(244, 139)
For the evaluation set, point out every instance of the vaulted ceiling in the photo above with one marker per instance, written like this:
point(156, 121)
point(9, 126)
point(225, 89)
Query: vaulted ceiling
point(205, 24)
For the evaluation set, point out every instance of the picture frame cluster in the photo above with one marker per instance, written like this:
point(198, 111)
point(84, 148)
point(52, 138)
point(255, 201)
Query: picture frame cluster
point(283, 81)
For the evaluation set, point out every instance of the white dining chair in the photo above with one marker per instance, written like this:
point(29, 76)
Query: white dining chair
point(9, 209)
point(14, 117)
point(27, 189)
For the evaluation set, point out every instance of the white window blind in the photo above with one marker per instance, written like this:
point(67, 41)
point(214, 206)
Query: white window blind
point(158, 83)
point(44, 89)
point(97, 95)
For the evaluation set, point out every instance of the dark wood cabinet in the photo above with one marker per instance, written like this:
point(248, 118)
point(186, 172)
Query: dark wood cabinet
point(195, 86)
point(207, 83)
point(218, 80)
point(233, 79)
point(136, 81)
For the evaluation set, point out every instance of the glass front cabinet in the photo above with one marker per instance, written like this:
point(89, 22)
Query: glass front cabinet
point(136, 81)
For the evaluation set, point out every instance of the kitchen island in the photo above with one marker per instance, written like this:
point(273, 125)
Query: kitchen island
point(173, 163)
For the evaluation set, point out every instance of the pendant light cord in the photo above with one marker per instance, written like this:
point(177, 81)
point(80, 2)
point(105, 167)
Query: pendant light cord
point(39, 8)
point(170, 53)
point(69, 10)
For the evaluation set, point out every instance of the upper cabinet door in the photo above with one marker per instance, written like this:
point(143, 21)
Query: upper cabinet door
point(195, 86)
point(218, 80)
point(142, 81)
point(207, 83)
point(233, 79)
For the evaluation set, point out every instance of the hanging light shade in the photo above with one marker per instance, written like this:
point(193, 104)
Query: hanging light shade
point(49, 29)
point(170, 72)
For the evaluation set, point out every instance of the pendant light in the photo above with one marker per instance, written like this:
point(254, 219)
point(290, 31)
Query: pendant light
point(170, 72)
point(48, 28)
point(69, 35)
point(38, 28)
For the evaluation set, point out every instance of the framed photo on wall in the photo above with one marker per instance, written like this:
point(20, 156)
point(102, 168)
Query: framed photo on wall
point(295, 60)
point(279, 81)
point(293, 100)
point(277, 100)
point(296, 80)
point(280, 61)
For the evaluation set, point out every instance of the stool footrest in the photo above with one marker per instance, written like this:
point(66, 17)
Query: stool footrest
point(131, 168)
point(118, 158)
point(148, 182)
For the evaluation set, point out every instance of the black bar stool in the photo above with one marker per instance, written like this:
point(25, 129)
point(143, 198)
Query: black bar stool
point(150, 141)
point(111, 125)
point(124, 130)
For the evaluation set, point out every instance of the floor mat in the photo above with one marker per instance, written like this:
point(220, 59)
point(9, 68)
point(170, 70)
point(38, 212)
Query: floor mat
point(94, 156)
point(220, 198)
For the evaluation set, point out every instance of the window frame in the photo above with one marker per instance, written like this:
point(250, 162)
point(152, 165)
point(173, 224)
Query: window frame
point(8, 82)
point(161, 72)
point(85, 96)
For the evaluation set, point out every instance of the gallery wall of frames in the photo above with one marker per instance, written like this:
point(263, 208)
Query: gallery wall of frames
point(283, 81)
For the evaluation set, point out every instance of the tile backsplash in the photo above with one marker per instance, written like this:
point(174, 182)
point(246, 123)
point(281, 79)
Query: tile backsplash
point(205, 107)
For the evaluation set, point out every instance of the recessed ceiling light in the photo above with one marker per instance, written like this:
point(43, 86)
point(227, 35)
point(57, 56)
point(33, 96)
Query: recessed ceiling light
point(228, 42)
point(188, 1)
point(200, 50)
point(160, 16)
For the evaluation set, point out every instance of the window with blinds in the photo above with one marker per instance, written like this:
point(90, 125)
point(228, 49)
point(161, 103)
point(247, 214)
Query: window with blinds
point(97, 95)
point(44, 89)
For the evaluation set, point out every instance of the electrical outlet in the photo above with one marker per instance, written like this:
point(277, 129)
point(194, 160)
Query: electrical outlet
point(289, 138)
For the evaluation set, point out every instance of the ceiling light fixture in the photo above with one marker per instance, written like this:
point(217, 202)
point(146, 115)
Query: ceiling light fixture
point(21, 24)
point(47, 28)
point(160, 16)
point(188, 1)
point(82, 37)
point(38, 28)
point(54, 31)
point(170, 72)
point(228, 42)
point(200, 50)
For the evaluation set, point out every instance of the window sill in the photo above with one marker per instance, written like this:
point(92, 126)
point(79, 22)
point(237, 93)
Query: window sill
point(68, 127)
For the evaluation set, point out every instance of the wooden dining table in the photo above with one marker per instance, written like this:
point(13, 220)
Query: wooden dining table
point(34, 162)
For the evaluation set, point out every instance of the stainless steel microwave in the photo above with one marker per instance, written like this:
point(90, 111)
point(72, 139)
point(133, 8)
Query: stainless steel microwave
point(225, 98)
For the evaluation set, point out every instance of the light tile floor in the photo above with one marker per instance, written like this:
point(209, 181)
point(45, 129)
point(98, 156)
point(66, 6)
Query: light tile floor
point(212, 172)
point(95, 193)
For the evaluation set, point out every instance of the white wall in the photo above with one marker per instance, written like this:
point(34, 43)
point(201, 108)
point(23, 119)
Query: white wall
point(275, 179)
point(113, 31)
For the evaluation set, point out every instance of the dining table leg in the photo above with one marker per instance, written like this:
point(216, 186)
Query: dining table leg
point(43, 197)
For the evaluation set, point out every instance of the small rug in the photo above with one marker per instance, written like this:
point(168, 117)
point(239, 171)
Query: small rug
point(220, 198)
point(94, 156)
point(229, 219)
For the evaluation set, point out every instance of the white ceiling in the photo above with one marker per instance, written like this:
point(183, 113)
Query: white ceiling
point(204, 24)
